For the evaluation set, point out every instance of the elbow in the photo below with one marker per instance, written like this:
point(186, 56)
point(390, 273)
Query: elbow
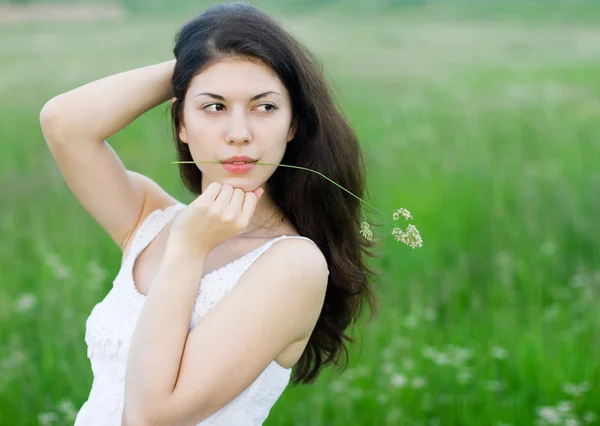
point(146, 416)
point(135, 415)
point(135, 419)
point(50, 119)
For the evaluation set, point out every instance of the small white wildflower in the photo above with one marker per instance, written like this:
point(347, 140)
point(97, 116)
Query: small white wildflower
point(589, 417)
point(442, 358)
point(564, 406)
point(365, 231)
point(402, 212)
point(61, 271)
point(382, 399)
point(439, 357)
point(337, 386)
point(571, 421)
point(410, 321)
point(552, 312)
point(419, 382)
point(408, 364)
point(26, 302)
point(579, 280)
point(363, 371)
point(460, 355)
point(97, 274)
point(445, 399)
point(47, 418)
point(68, 409)
point(463, 376)
point(430, 314)
point(494, 386)
point(355, 393)
point(548, 248)
point(402, 342)
point(429, 352)
point(498, 353)
point(550, 415)
point(398, 381)
point(393, 416)
point(13, 361)
point(388, 368)
point(576, 390)
point(389, 352)
point(410, 237)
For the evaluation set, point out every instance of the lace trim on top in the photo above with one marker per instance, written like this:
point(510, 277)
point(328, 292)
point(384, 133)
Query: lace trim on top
point(213, 286)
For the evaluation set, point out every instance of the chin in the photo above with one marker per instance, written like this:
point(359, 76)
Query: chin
point(240, 183)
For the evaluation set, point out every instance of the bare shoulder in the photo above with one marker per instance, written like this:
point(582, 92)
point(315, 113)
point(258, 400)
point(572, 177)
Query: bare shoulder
point(299, 268)
point(294, 256)
point(303, 249)
point(156, 198)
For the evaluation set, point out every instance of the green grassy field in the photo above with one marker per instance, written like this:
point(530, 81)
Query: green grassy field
point(487, 130)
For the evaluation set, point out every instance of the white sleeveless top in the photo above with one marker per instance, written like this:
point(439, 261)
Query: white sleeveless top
point(110, 326)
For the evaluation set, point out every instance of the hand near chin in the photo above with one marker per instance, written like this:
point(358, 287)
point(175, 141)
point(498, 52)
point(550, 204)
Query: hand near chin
point(217, 215)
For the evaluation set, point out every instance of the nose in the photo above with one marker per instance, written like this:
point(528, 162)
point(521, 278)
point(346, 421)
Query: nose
point(239, 128)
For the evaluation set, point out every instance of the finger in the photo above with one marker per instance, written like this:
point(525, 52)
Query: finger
point(237, 199)
point(209, 194)
point(250, 202)
point(224, 197)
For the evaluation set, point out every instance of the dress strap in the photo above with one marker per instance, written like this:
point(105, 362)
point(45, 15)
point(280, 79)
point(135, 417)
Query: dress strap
point(257, 253)
point(151, 227)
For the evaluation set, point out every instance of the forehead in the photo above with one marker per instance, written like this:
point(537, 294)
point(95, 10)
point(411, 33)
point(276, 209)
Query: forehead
point(237, 78)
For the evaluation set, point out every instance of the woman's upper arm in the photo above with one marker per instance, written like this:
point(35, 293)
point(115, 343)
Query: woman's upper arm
point(118, 199)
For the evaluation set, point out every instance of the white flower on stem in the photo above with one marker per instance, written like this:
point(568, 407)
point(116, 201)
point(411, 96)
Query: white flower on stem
point(365, 231)
point(402, 212)
point(410, 237)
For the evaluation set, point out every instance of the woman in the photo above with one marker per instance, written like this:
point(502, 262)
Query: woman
point(204, 324)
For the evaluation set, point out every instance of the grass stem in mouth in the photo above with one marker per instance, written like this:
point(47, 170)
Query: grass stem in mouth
point(295, 167)
point(410, 236)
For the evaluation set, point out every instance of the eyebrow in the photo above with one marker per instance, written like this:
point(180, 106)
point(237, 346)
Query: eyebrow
point(253, 98)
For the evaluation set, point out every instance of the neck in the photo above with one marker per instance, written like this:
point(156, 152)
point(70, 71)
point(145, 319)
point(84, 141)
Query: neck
point(266, 214)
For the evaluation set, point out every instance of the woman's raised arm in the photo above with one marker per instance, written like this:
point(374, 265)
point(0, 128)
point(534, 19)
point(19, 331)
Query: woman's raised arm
point(75, 125)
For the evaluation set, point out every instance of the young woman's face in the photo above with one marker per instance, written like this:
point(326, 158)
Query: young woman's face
point(236, 107)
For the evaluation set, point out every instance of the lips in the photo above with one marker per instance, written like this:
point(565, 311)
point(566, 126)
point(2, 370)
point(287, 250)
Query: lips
point(240, 159)
point(238, 168)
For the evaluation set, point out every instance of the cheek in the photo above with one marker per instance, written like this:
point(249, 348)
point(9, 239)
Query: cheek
point(200, 131)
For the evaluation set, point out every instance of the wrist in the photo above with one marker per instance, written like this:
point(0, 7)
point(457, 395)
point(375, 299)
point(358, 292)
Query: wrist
point(166, 70)
point(180, 250)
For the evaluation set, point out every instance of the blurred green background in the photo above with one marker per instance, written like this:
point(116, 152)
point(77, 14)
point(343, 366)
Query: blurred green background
point(481, 118)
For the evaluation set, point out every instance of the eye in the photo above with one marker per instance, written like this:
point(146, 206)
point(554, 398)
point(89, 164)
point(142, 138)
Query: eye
point(273, 107)
point(216, 105)
point(208, 106)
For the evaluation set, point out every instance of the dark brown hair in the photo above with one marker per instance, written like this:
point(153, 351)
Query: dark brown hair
point(323, 142)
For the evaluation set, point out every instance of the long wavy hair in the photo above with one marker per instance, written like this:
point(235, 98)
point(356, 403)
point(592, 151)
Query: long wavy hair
point(323, 141)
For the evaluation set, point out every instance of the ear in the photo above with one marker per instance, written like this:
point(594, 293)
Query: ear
point(292, 131)
point(182, 131)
